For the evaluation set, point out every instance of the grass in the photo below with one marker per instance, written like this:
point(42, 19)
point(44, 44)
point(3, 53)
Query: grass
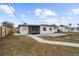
point(20, 45)
point(71, 37)
point(74, 39)
point(71, 33)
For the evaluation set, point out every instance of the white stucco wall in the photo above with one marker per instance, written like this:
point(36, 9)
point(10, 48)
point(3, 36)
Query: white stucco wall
point(24, 30)
point(63, 29)
point(47, 29)
point(75, 30)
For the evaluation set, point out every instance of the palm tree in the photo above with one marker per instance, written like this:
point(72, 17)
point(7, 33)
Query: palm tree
point(70, 27)
point(70, 24)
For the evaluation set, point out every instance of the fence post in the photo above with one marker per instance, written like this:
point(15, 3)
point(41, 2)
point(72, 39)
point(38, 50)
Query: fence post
point(5, 31)
point(1, 31)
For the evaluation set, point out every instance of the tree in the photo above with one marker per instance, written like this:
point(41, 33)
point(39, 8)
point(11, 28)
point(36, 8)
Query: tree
point(70, 24)
point(7, 24)
point(69, 27)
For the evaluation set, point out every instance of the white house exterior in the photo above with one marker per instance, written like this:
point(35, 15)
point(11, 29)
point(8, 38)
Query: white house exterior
point(24, 30)
point(74, 29)
point(36, 29)
point(49, 29)
point(63, 28)
point(44, 29)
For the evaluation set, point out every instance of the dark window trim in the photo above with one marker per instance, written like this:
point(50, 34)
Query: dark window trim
point(50, 29)
point(44, 28)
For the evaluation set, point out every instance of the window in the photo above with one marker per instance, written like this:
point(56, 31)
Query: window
point(77, 29)
point(72, 29)
point(50, 29)
point(24, 28)
point(44, 28)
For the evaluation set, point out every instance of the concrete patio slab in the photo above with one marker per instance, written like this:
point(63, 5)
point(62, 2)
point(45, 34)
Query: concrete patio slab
point(52, 34)
point(54, 42)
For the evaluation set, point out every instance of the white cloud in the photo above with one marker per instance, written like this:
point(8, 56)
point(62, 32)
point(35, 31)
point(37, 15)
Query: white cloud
point(49, 12)
point(7, 9)
point(38, 12)
point(69, 17)
point(12, 15)
point(43, 13)
point(63, 18)
point(22, 15)
point(48, 21)
point(70, 13)
point(25, 20)
point(66, 18)
point(75, 11)
point(51, 21)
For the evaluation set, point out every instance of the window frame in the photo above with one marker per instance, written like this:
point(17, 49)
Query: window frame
point(24, 29)
point(50, 29)
point(44, 28)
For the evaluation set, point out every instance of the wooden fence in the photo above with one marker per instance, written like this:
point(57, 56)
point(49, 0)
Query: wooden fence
point(14, 30)
point(5, 31)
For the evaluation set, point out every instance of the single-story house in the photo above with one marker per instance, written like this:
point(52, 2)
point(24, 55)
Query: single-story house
point(63, 28)
point(36, 29)
point(44, 29)
point(74, 29)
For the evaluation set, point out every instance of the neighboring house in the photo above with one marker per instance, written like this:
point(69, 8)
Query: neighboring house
point(77, 29)
point(43, 29)
point(74, 29)
point(63, 28)
point(36, 29)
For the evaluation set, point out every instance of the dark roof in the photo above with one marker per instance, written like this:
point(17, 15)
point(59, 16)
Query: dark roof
point(36, 25)
point(64, 26)
point(48, 25)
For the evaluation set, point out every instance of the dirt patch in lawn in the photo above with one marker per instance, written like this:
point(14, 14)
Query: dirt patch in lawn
point(24, 45)
point(67, 38)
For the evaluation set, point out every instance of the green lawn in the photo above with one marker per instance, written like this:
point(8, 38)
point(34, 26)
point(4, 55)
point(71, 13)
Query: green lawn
point(24, 45)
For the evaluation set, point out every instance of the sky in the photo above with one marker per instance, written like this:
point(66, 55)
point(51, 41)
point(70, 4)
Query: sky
point(40, 13)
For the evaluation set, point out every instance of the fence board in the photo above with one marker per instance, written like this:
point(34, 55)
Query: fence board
point(0, 32)
point(4, 31)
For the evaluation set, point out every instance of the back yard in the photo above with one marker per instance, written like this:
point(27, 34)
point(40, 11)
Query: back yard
point(24, 45)
point(71, 37)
